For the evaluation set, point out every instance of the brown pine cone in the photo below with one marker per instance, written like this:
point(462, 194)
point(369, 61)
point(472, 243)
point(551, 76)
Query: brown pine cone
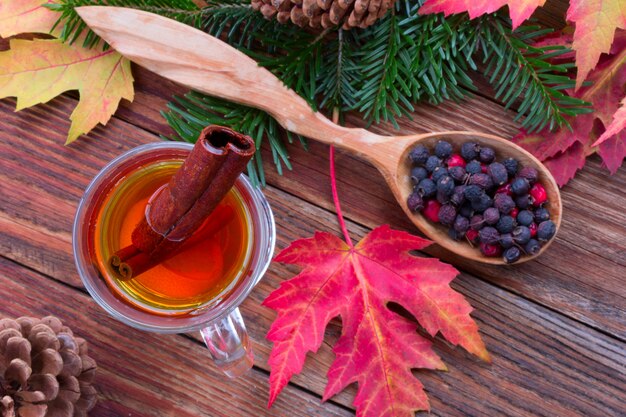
point(44, 370)
point(324, 13)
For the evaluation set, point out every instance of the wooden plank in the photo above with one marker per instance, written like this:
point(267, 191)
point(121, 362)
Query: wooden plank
point(588, 288)
point(581, 370)
point(141, 373)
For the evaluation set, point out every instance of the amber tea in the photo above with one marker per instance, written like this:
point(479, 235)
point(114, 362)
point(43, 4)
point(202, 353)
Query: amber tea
point(207, 265)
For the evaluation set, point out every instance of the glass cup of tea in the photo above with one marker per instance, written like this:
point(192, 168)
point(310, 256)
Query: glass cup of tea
point(201, 286)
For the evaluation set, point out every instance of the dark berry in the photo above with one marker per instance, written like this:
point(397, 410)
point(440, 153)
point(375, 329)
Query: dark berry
point(473, 167)
point(472, 236)
point(426, 187)
point(506, 240)
point(506, 189)
point(505, 224)
point(504, 203)
point(473, 192)
point(419, 155)
point(541, 215)
point(529, 173)
point(487, 155)
point(484, 181)
point(511, 165)
point(415, 201)
point(454, 235)
point(438, 173)
point(466, 209)
point(418, 174)
point(522, 201)
point(470, 150)
point(525, 218)
point(456, 160)
point(457, 173)
point(511, 255)
point(498, 173)
point(520, 186)
point(489, 235)
point(538, 195)
point(477, 221)
point(521, 235)
point(546, 230)
point(461, 224)
point(532, 247)
point(443, 149)
point(491, 216)
point(442, 197)
point(483, 203)
point(447, 214)
point(490, 250)
point(431, 210)
point(445, 185)
point(533, 229)
point(458, 196)
point(432, 162)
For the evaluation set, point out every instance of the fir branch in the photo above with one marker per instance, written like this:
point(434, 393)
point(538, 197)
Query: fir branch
point(521, 72)
point(188, 115)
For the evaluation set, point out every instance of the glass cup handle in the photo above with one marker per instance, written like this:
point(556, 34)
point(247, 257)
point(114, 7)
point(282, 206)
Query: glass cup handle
point(227, 340)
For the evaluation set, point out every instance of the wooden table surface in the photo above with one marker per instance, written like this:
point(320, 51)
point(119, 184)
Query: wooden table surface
point(555, 327)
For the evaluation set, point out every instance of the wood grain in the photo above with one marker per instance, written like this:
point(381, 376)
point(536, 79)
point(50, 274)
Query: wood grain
point(588, 287)
point(545, 363)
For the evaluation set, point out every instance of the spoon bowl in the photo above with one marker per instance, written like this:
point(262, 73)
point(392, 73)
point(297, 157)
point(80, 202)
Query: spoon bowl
point(204, 63)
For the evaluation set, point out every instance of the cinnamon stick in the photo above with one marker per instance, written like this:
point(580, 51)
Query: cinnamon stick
point(178, 209)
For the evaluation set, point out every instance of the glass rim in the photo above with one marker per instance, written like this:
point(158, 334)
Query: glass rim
point(173, 324)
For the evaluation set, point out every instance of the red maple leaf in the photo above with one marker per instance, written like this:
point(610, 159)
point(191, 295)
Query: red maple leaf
point(378, 348)
point(519, 10)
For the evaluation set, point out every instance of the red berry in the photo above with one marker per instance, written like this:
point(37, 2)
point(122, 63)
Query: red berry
point(431, 210)
point(456, 160)
point(490, 250)
point(513, 213)
point(483, 168)
point(472, 235)
point(538, 194)
point(533, 229)
point(506, 188)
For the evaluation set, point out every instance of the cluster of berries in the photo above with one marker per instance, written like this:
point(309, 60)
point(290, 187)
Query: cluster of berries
point(496, 205)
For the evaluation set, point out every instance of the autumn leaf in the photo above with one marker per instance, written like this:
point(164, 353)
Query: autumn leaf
point(519, 10)
point(603, 132)
point(37, 71)
point(378, 348)
point(26, 16)
point(596, 22)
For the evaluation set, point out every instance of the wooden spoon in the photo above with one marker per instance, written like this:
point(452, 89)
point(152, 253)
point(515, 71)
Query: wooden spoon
point(204, 63)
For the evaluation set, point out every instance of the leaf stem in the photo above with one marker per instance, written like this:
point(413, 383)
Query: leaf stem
point(333, 186)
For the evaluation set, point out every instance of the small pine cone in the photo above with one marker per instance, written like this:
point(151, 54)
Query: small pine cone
point(324, 13)
point(45, 370)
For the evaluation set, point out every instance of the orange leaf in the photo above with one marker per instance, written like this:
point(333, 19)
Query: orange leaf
point(519, 10)
point(596, 22)
point(26, 16)
point(37, 71)
point(378, 348)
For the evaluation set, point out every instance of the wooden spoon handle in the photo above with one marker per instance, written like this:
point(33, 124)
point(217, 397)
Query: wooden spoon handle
point(193, 58)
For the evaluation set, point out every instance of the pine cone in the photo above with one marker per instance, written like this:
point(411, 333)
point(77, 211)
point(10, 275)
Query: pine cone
point(44, 370)
point(325, 13)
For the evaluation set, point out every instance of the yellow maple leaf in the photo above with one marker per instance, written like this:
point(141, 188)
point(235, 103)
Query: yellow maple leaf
point(37, 71)
point(26, 16)
point(596, 22)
